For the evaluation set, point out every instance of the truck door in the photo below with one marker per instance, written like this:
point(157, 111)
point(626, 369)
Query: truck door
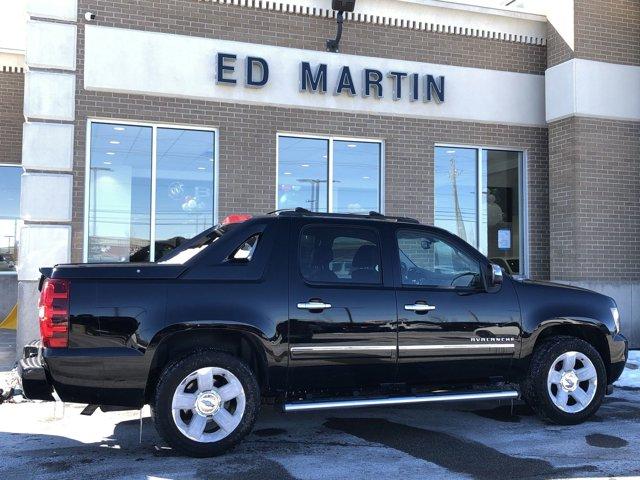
point(450, 328)
point(342, 328)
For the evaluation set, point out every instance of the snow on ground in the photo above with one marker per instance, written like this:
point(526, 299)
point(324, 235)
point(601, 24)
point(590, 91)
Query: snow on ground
point(631, 375)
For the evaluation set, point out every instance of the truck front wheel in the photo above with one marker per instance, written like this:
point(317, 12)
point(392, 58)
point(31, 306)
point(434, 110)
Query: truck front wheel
point(205, 403)
point(567, 380)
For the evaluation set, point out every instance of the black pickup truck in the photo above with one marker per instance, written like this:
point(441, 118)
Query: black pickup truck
point(316, 311)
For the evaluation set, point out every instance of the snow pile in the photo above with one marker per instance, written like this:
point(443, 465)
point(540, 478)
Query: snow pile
point(9, 384)
point(631, 374)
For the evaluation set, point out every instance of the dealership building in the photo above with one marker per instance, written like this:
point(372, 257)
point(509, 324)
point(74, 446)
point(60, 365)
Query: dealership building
point(515, 125)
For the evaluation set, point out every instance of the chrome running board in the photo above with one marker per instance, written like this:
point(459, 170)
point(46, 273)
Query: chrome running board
point(376, 402)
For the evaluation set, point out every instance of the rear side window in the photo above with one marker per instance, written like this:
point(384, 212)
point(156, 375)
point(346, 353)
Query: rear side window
point(244, 253)
point(340, 255)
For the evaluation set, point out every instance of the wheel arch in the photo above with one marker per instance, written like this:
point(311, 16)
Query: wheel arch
point(178, 341)
point(594, 333)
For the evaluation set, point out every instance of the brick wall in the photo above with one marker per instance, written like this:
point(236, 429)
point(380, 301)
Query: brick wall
point(247, 143)
point(558, 51)
point(608, 30)
point(11, 118)
point(244, 24)
point(595, 199)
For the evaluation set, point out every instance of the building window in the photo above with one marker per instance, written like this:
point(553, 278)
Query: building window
point(149, 188)
point(479, 196)
point(10, 222)
point(329, 174)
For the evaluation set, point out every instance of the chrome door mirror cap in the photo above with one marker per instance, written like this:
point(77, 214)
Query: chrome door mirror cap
point(497, 275)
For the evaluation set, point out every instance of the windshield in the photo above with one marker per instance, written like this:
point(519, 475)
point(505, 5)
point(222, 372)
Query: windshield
point(189, 249)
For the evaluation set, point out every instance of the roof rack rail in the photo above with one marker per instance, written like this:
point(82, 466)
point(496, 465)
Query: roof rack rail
point(303, 212)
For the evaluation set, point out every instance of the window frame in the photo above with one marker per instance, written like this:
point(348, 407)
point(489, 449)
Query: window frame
point(523, 183)
point(331, 139)
point(451, 240)
point(154, 170)
point(343, 226)
point(14, 165)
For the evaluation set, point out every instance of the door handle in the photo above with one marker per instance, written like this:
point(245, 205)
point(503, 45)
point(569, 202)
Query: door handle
point(419, 307)
point(314, 306)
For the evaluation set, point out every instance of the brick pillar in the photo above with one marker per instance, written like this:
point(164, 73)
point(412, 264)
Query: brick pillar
point(593, 113)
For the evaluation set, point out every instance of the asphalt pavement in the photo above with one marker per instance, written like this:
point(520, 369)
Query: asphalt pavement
point(485, 441)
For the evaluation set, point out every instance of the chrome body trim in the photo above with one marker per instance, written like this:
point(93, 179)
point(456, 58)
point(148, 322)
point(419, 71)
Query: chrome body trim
point(390, 348)
point(342, 348)
point(373, 402)
point(470, 346)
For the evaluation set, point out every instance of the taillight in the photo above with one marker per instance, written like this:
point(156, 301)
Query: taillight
point(53, 313)
point(236, 218)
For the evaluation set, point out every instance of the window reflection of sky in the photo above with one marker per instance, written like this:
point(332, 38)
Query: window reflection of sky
point(10, 222)
point(356, 174)
point(461, 164)
point(303, 172)
point(184, 186)
point(120, 187)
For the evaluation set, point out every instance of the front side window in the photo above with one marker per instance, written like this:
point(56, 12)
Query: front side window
point(329, 175)
point(426, 260)
point(340, 255)
point(150, 188)
point(478, 197)
point(10, 222)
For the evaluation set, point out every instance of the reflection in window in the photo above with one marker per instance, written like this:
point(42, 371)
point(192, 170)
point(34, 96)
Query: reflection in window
point(10, 223)
point(430, 261)
point(340, 254)
point(120, 196)
point(303, 174)
point(356, 177)
point(502, 206)
point(119, 221)
point(184, 186)
point(456, 192)
point(493, 225)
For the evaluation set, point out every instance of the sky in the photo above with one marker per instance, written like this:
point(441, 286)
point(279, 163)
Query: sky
point(12, 25)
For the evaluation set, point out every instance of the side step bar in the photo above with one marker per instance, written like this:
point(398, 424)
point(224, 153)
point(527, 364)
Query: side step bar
point(376, 402)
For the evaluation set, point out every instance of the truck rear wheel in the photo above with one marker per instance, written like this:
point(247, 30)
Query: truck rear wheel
point(205, 403)
point(567, 380)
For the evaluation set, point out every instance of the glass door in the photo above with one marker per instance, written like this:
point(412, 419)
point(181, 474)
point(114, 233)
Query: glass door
point(501, 211)
point(479, 197)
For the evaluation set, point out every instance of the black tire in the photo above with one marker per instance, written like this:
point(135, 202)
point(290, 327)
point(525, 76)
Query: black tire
point(534, 388)
point(169, 380)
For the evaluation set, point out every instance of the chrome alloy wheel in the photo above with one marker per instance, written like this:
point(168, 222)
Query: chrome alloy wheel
point(572, 382)
point(208, 404)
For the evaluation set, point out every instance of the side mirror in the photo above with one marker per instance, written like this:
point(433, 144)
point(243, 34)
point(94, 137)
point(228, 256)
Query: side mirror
point(496, 275)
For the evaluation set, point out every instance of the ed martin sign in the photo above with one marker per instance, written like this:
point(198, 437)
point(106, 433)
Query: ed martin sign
point(183, 67)
point(315, 79)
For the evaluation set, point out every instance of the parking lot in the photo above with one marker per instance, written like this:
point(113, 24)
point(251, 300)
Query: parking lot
point(487, 441)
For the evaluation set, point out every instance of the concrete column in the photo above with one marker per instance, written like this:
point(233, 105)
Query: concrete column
point(47, 151)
